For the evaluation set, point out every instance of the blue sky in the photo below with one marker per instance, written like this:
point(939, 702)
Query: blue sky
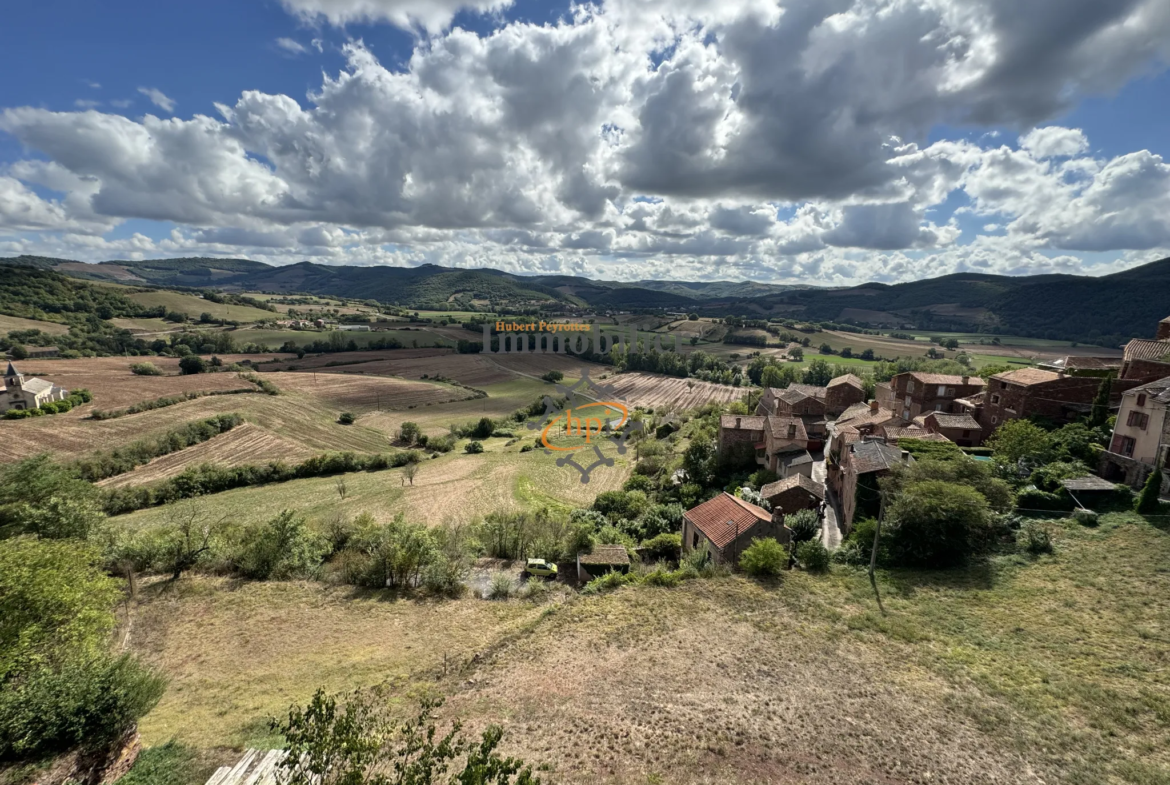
point(726, 141)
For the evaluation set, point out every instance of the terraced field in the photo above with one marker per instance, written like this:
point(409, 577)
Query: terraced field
point(654, 390)
point(244, 444)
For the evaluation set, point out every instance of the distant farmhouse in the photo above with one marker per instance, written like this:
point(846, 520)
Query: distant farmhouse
point(22, 393)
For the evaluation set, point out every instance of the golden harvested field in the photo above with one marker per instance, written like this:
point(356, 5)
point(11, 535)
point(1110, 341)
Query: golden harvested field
point(10, 323)
point(654, 390)
point(364, 392)
point(244, 444)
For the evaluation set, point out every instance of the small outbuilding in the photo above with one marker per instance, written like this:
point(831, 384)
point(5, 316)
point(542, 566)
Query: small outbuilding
point(600, 560)
point(793, 494)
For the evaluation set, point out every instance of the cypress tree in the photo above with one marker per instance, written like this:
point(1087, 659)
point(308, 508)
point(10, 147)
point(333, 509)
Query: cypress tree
point(1100, 411)
point(1147, 501)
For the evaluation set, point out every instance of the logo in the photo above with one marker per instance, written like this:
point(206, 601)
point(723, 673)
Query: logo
point(602, 419)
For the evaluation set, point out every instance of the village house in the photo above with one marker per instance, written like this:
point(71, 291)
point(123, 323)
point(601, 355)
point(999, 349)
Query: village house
point(600, 560)
point(1141, 437)
point(843, 392)
point(22, 393)
point(1032, 392)
point(779, 444)
point(742, 434)
point(962, 429)
point(914, 394)
point(854, 477)
point(784, 438)
point(726, 526)
point(793, 494)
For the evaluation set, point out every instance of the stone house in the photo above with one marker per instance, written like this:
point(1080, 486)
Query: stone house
point(962, 429)
point(843, 392)
point(855, 477)
point(22, 393)
point(1032, 392)
point(914, 394)
point(799, 400)
point(1141, 437)
point(793, 494)
point(726, 526)
point(783, 436)
point(742, 434)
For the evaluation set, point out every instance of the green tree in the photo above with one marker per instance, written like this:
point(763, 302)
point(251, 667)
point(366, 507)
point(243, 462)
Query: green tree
point(409, 432)
point(805, 525)
point(1020, 440)
point(284, 547)
point(355, 744)
point(818, 372)
point(699, 460)
point(937, 524)
point(484, 428)
point(473, 448)
point(1147, 500)
point(772, 377)
point(765, 557)
point(192, 364)
point(1100, 411)
point(39, 496)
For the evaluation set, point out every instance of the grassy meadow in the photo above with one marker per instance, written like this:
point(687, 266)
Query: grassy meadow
point(1014, 670)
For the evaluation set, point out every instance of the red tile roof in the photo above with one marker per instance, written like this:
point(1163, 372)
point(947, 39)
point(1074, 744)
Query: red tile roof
point(778, 426)
point(1142, 349)
point(944, 378)
point(720, 518)
point(1027, 376)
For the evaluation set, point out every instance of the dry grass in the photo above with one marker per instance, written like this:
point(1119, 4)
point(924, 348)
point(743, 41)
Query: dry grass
point(237, 653)
point(656, 391)
point(10, 323)
point(1013, 672)
point(244, 444)
point(359, 392)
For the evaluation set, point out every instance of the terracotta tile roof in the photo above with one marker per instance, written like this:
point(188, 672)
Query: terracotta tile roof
point(746, 422)
point(774, 489)
point(606, 554)
point(720, 518)
point(1027, 376)
point(964, 421)
point(856, 410)
point(778, 426)
point(1086, 363)
point(1141, 349)
point(791, 396)
point(849, 379)
point(913, 432)
point(944, 378)
point(874, 456)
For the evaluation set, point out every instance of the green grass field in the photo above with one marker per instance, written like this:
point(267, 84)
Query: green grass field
point(10, 323)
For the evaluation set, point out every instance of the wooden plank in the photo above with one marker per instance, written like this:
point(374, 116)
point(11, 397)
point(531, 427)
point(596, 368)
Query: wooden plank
point(219, 776)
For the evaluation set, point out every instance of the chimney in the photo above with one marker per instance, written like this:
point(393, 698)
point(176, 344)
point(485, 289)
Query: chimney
point(738, 420)
point(791, 430)
point(873, 406)
point(965, 378)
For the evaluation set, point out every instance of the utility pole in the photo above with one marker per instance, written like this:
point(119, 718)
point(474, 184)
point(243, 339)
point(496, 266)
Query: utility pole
point(877, 533)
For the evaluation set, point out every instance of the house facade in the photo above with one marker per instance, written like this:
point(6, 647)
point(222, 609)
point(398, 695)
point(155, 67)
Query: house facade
point(25, 393)
point(843, 392)
point(726, 526)
point(1141, 437)
point(854, 477)
point(912, 394)
point(1033, 392)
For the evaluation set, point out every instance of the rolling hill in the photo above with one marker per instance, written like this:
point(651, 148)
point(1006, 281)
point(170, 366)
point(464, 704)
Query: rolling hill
point(1106, 310)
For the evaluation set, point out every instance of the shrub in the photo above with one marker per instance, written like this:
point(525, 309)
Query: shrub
point(663, 546)
point(813, 556)
point(608, 582)
point(145, 369)
point(1034, 538)
point(661, 576)
point(805, 525)
point(1035, 499)
point(346, 418)
point(620, 504)
point(409, 432)
point(936, 524)
point(483, 429)
point(501, 587)
point(1147, 501)
point(553, 376)
point(765, 557)
point(88, 704)
point(852, 553)
point(1085, 517)
point(192, 364)
point(281, 548)
point(473, 448)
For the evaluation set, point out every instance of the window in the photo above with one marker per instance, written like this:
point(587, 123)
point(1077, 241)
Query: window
point(1138, 420)
point(1127, 445)
point(695, 542)
point(950, 392)
point(994, 419)
point(942, 390)
point(938, 407)
point(1003, 385)
point(909, 386)
point(1141, 401)
point(995, 398)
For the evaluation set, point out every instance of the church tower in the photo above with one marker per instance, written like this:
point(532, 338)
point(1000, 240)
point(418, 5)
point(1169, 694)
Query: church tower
point(13, 379)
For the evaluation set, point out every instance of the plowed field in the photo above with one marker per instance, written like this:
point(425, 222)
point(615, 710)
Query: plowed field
point(653, 390)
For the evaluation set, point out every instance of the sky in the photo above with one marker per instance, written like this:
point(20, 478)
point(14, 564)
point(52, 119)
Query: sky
point(826, 142)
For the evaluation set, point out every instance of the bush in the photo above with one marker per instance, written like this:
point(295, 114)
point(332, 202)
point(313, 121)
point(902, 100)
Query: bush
point(661, 576)
point(281, 548)
point(1147, 501)
point(346, 418)
point(473, 448)
point(1034, 538)
point(1085, 517)
point(483, 429)
point(608, 582)
point(765, 557)
point(501, 587)
point(88, 704)
point(813, 556)
point(936, 524)
point(620, 504)
point(1034, 499)
point(805, 525)
point(145, 369)
point(663, 546)
point(553, 376)
point(192, 364)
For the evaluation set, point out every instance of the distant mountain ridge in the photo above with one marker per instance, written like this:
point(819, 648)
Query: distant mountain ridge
point(1107, 310)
